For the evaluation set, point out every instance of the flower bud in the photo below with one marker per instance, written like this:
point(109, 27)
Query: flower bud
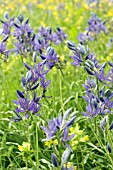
point(111, 126)
point(20, 94)
point(20, 18)
point(50, 50)
point(34, 56)
point(109, 148)
point(23, 81)
point(71, 45)
point(54, 160)
point(6, 15)
point(29, 76)
point(88, 71)
point(65, 156)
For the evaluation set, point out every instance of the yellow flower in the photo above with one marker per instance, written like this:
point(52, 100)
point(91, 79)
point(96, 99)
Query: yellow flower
point(43, 24)
point(67, 19)
point(20, 148)
point(75, 168)
point(41, 6)
point(75, 130)
point(48, 143)
point(62, 58)
point(55, 13)
point(55, 142)
point(110, 13)
point(85, 6)
point(74, 142)
point(69, 164)
point(71, 129)
point(25, 147)
point(84, 139)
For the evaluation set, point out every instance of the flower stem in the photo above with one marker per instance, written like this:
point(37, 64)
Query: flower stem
point(61, 95)
point(37, 161)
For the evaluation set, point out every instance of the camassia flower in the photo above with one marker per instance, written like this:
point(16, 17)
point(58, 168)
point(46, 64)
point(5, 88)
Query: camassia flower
point(45, 37)
point(95, 27)
point(79, 53)
point(25, 41)
point(25, 105)
point(59, 36)
point(24, 37)
point(59, 126)
point(50, 58)
point(7, 25)
point(99, 101)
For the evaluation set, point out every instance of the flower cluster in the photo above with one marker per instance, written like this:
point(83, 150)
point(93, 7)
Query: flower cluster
point(99, 98)
point(28, 43)
point(60, 126)
point(82, 57)
point(95, 27)
point(35, 77)
point(98, 101)
point(5, 33)
point(25, 40)
point(78, 138)
point(57, 136)
point(79, 53)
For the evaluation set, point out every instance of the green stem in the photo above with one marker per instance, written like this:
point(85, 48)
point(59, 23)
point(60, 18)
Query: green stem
point(53, 95)
point(61, 95)
point(26, 164)
point(77, 160)
point(37, 158)
point(28, 130)
point(82, 159)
